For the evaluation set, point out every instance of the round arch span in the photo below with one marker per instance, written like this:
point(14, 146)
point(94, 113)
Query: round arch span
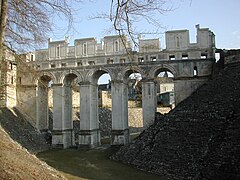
point(155, 70)
point(66, 73)
point(131, 69)
point(45, 74)
point(93, 75)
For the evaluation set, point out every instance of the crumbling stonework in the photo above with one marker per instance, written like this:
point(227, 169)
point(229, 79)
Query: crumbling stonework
point(8, 93)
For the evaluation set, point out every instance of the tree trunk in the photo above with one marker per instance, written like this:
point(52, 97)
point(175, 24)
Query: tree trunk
point(3, 19)
point(3, 22)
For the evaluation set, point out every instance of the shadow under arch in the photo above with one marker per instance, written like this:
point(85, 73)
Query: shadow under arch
point(130, 70)
point(94, 75)
point(70, 75)
point(165, 87)
point(42, 100)
point(45, 76)
point(156, 70)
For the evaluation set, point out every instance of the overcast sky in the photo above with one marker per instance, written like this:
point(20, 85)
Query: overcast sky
point(220, 16)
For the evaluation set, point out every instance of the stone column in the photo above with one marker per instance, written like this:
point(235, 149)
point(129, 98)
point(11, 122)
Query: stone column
point(42, 108)
point(67, 120)
point(148, 102)
point(62, 128)
point(120, 131)
point(89, 135)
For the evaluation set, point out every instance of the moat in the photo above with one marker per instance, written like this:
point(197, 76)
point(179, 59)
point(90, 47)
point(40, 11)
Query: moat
point(92, 164)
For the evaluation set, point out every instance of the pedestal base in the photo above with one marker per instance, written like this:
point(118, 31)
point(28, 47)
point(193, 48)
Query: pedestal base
point(62, 139)
point(119, 137)
point(89, 138)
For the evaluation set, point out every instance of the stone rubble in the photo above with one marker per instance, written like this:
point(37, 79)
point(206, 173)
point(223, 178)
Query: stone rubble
point(199, 139)
point(22, 131)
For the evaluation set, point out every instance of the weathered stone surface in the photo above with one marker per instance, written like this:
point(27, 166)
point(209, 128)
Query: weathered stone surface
point(199, 139)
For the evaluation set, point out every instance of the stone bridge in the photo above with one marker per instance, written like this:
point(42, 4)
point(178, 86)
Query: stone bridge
point(61, 65)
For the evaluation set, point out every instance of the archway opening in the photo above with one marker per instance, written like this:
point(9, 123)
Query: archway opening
point(104, 104)
point(133, 79)
point(44, 114)
point(165, 90)
point(50, 105)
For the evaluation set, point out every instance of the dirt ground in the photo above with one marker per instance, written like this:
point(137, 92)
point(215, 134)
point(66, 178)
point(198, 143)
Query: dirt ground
point(17, 163)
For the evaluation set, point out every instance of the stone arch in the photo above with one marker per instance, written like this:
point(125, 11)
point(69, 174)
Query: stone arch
point(93, 75)
point(42, 99)
point(131, 69)
point(66, 73)
point(49, 74)
point(154, 71)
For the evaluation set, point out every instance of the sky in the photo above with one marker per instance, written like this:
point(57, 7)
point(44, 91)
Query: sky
point(220, 16)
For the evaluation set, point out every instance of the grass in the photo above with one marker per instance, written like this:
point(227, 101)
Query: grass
point(92, 164)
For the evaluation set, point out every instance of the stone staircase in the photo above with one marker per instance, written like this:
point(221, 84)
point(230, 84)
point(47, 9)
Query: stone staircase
point(199, 139)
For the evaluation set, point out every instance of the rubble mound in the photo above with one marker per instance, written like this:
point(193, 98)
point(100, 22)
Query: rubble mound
point(105, 121)
point(199, 139)
point(20, 130)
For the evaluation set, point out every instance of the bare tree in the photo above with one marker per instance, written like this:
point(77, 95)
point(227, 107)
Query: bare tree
point(29, 21)
point(26, 23)
point(125, 14)
point(3, 19)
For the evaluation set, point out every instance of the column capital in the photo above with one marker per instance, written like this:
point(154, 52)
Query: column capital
point(27, 86)
point(57, 84)
point(117, 81)
point(148, 80)
point(84, 83)
point(87, 83)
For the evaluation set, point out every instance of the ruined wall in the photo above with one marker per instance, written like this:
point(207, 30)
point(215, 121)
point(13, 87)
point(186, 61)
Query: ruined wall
point(11, 99)
point(26, 89)
point(177, 39)
point(184, 88)
point(85, 47)
point(149, 45)
point(9, 80)
point(26, 102)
